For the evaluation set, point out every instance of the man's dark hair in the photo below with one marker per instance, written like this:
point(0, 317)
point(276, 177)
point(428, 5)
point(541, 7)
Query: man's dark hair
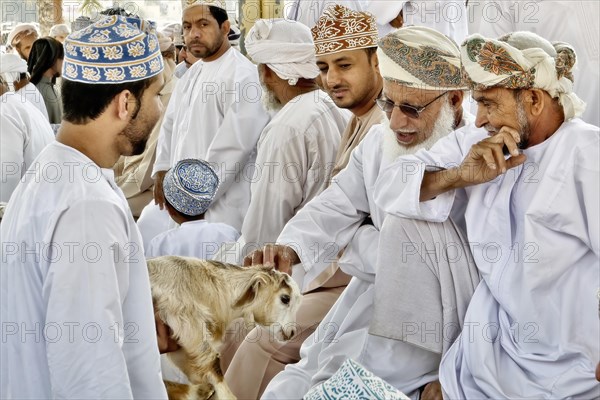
point(118, 11)
point(44, 54)
point(219, 14)
point(83, 102)
point(189, 218)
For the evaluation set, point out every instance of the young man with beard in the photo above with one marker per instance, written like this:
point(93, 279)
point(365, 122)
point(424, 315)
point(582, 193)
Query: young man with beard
point(76, 303)
point(421, 108)
point(21, 38)
point(531, 328)
point(215, 114)
point(295, 154)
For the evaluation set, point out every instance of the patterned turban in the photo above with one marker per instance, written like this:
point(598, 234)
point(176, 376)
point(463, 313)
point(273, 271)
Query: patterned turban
point(284, 46)
point(115, 49)
point(341, 29)
point(421, 57)
point(190, 186)
point(523, 60)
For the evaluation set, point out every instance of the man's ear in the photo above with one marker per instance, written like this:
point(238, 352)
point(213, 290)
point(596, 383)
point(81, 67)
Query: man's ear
point(456, 99)
point(226, 27)
point(123, 100)
point(536, 100)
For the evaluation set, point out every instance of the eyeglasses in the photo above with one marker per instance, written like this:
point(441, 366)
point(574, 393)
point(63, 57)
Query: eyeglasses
point(388, 106)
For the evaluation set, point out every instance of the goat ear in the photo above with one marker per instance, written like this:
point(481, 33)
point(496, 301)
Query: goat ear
point(249, 293)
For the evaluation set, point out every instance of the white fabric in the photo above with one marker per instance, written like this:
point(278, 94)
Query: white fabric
point(532, 327)
point(385, 11)
point(309, 11)
point(328, 223)
point(199, 239)
point(547, 19)
point(25, 133)
point(181, 69)
point(449, 17)
point(31, 93)
point(24, 27)
point(295, 158)
point(74, 286)
point(152, 222)
point(216, 114)
point(285, 47)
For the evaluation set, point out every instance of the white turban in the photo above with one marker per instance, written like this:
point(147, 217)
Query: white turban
point(60, 29)
point(11, 68)
point(286, 47)
point(421, 57)
point(385, 11)
point(523, 60)
point(20, 30)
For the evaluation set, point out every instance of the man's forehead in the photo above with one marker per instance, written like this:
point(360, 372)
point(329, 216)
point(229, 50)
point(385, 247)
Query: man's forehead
point(492, 94)
point(196, 12)
point(345, 55)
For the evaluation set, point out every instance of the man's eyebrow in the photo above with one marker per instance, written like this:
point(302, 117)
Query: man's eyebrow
point(481, 98)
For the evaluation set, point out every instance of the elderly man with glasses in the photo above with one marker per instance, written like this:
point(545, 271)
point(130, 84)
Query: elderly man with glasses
point(422, 96)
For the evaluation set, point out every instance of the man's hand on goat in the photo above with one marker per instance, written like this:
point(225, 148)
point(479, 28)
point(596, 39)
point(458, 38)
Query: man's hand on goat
point(166, 343)
point(280, 257)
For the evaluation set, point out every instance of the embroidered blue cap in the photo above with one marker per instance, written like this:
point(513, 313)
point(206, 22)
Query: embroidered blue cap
point(115, 50)
point(190, 186)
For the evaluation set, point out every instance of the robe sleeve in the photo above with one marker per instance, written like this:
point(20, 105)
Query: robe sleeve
point(235, 141)
point(163, 146)
point(85, 288)
point(398, 187)
point(14, 139)
point(328, 223)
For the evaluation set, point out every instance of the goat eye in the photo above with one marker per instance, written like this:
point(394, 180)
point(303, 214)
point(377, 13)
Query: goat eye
point(285, 299)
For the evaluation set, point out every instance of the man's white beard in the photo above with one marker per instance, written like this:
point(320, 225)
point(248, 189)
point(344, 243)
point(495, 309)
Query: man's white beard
point(269, 101)
point(443, 126)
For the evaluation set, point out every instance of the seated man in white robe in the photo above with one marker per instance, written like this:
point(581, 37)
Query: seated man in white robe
point(421, 107)
point(190, 188)
point(76, 307)
point(526, 179)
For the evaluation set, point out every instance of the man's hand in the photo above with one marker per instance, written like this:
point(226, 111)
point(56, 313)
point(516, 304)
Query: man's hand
point(432, 391)
point(486, 159)
point(166, 343)
point(159, 196)
point(280, 257)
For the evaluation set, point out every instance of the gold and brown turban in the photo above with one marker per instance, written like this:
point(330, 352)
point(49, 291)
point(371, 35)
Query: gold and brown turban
point(421, 57)
point(341, 29)
point(523, 60)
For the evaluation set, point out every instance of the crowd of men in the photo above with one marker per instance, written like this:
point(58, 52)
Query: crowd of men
point(445, 248)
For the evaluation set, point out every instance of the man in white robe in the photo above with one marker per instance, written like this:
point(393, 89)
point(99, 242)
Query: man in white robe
point(215, 114)
point(76, 307)
point(531, 330)
point(13, 70)
point(25, 133)
point(296, 154)
point(338, 218)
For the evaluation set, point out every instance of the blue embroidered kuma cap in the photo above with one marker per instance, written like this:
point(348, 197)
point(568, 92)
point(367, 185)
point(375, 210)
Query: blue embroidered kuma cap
point(190, 186)
point(113, 50)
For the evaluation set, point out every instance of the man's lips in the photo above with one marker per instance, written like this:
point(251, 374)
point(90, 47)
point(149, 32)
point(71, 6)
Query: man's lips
point(405, 137)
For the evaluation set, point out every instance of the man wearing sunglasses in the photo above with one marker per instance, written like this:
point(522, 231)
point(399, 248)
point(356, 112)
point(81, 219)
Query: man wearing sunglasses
point(525, 180)
point(339, 218)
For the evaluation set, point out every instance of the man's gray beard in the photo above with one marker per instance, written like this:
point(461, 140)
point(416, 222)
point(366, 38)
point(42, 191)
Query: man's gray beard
point(523, 125)
point(269, 101)
point(442, 127)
